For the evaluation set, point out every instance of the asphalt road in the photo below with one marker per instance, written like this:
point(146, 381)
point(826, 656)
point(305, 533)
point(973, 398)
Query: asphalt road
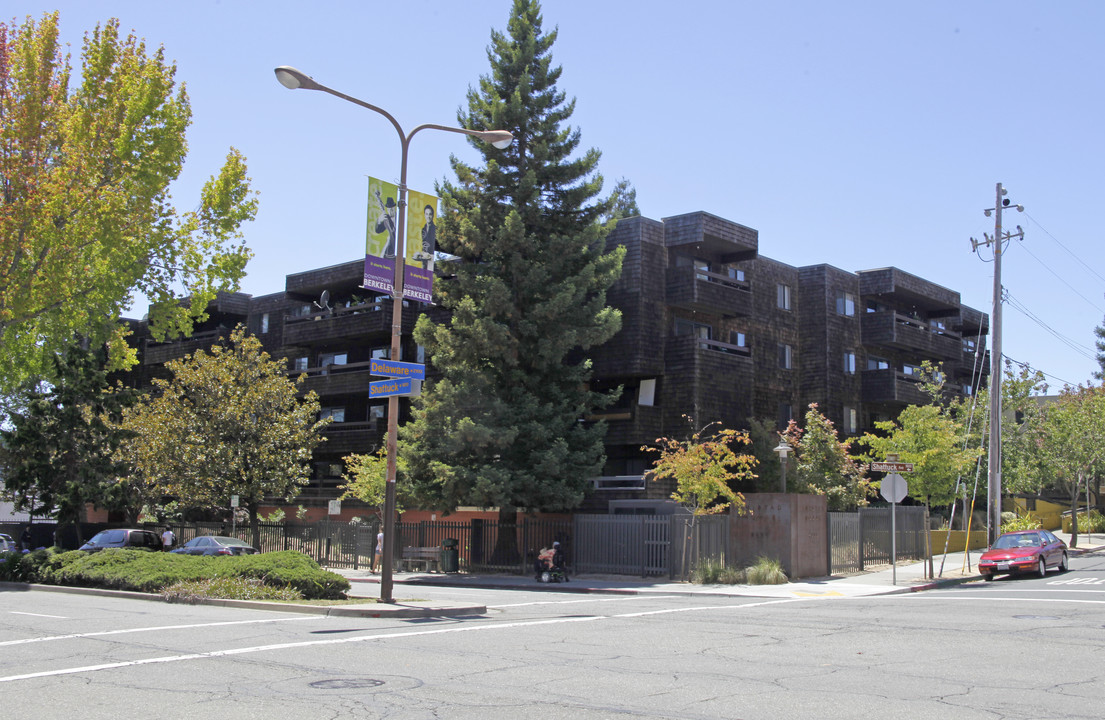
point(1020, 648)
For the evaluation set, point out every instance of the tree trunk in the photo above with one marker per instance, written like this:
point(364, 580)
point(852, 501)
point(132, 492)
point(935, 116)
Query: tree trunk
point(254, 525)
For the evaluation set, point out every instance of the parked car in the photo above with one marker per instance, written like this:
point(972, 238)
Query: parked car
point(216, 545)
point(6, 543)
point(1024, 551)
point(123, 538)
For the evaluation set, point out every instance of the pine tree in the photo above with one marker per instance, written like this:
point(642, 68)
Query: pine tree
point(502, 426)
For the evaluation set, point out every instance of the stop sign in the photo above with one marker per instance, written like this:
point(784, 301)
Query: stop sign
point(894, 487)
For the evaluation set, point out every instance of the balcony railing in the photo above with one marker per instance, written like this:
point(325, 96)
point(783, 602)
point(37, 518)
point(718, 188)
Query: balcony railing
point(892, 329)
point(345, 322)
point(704, 291)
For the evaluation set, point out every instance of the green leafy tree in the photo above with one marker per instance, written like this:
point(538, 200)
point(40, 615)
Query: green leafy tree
point(366, 479)
point(1071, 442)
point(228, 422)
point(86, 220)
point(1022, 469)
point(58, 451)
point(703, 468)
point(1099, 344)
point(502, 426)
point(824, 463)
point(932, 438)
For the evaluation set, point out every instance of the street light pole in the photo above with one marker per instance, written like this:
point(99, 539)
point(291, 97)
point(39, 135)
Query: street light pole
point(293, 79)
point(783, 450)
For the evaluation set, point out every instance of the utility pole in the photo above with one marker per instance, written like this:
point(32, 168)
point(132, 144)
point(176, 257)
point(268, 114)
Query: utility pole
point(993, 485)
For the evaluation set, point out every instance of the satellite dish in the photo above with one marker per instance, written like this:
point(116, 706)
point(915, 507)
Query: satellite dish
point(324, 301)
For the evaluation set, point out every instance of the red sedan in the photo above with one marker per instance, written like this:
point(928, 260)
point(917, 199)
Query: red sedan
point(1025, 551)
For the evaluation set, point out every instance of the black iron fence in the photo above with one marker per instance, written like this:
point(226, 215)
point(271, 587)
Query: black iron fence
point(863, 538)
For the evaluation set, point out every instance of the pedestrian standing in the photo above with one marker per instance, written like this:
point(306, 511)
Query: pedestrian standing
point(25, 539)
point(167, 539)
point(379, 555)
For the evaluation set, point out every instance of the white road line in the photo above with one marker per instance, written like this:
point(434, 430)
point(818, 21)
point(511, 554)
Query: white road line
point(367, 638)
point(577, 602)
point(57, 617)
point(25, 641)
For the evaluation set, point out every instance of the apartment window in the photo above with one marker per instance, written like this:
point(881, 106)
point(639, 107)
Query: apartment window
point(874, 306)
point(264, 322)
point(377, 412)
point(786, 356)
point(969, 390)
point(850, 363)
point(332, 358)
point(689, 327)
point(786, 414)
point(938, 326)
point(299, 364)
point(337, 414)
point(846, 304)
point(877, 363)
point(700, 265)
point(381, 353)
point(850, 424)
point(301, 310)
point(968, 345)
point(420, 355)
point(912, 370)
point(737, 338)
point(646, 395)
point(782, 296)
point(734, 273)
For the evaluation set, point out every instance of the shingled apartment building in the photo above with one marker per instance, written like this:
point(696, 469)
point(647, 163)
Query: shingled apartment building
point(710, 329)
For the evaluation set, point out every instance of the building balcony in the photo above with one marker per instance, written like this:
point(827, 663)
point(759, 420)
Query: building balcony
point(901, 332)
point(159, 353)
point(336, 379)
point(631, 426)
point(352, 323)
point(353, 437)
point(692, 350)
point(708, 292)
point(892, 386)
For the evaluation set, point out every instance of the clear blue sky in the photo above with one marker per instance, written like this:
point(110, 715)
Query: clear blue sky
point(859, 134)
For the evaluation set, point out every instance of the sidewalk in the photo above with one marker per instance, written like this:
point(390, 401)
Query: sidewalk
point(909, 576)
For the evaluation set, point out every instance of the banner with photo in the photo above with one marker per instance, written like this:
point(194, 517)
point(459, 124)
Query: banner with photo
point(382, 237)
point(418, 277)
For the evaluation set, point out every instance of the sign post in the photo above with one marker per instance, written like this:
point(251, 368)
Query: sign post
point(894, 490)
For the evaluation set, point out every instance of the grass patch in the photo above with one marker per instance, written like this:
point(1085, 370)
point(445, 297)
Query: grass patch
point(766, 571)
point(227, 588)
point(713, 571)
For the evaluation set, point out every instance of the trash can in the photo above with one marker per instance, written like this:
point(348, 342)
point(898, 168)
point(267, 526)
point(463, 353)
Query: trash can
point(450, 555)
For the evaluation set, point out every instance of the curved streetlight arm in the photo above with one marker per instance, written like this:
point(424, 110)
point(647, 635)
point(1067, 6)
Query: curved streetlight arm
point(293, 79)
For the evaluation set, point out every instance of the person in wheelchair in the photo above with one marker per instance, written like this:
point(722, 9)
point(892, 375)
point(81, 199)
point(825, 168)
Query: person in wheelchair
point(551, 560)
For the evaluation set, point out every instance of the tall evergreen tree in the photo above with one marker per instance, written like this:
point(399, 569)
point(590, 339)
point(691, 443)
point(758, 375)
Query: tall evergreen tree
point(502, 426)
point(57, 452)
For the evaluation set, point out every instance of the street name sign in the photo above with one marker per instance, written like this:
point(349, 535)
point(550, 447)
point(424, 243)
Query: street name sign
point(891, 467)
point(387, 388)
point(396, 369)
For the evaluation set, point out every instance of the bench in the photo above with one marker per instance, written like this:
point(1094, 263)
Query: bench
point(426, 556)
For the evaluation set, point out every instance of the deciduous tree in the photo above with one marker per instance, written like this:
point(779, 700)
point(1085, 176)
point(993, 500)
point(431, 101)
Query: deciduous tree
point(228, 422)
point(503, 426)
point(86, 220)
point(824, 463)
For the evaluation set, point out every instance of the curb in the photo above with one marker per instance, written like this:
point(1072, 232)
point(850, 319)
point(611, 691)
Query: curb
point(396, 610)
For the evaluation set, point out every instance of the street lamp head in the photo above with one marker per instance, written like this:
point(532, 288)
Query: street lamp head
point(294, 79)
point(783, 450)
point(499, 139)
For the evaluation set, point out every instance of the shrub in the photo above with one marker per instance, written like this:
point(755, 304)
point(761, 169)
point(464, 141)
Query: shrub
point(766, 571)
point(138, 570)
point(227, 588)
point(713, 571)
point(1018, 523)
point(1094, 522)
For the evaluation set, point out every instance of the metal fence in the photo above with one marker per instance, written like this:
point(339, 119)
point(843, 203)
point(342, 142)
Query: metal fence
point(863, 538)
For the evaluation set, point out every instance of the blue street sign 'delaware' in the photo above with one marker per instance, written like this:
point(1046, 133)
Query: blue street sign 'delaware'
point(396, 369)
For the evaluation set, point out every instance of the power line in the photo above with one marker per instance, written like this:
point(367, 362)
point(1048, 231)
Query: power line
point(1045, 374)
point(1069, 252)
point(1083, 350)
point(1059, 277)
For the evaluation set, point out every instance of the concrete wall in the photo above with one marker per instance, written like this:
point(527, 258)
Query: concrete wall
point(790, 528)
